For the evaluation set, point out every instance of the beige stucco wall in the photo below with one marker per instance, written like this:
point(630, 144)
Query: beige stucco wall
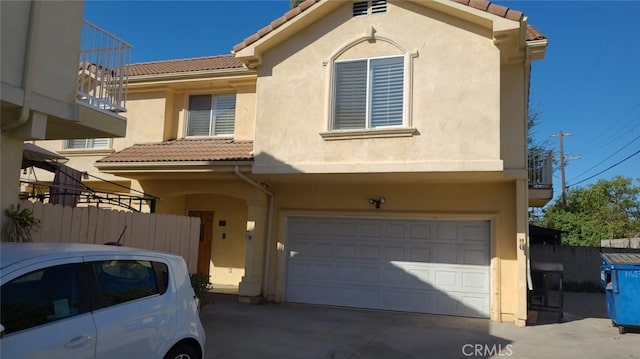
point(513, 127)
point(490, 201)
point(454, 105)
point(56, 37)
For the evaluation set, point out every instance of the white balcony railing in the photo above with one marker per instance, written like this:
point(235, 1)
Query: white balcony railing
point(102, 77)
point(540, 169)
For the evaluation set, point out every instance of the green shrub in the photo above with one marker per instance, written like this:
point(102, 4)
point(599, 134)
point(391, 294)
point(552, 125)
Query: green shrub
point(201, 286)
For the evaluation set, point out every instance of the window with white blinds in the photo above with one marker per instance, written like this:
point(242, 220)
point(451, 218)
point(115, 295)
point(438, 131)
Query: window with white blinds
point(87, 143)
point(211, 115)
point(369, 93)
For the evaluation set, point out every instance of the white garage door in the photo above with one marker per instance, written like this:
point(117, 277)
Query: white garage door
point(439, 267)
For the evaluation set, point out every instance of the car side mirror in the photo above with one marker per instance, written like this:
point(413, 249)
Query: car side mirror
point(1, 330)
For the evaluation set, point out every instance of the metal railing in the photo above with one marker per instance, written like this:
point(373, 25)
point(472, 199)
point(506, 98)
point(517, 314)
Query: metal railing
point(540, 169)
point(102, 76)
point(80, 194)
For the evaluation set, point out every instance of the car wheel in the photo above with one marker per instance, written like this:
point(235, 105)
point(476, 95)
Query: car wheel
point(182, 351)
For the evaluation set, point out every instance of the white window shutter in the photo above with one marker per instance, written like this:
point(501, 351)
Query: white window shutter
point(387, 87)
point(199, 123)
point(350, 107)
point(100, 143)
point(77, 143)
point(87, 143)
point(225, 114)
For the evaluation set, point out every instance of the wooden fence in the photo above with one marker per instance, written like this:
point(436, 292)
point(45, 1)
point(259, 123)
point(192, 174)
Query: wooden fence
point(581, 264)
point(161, 232)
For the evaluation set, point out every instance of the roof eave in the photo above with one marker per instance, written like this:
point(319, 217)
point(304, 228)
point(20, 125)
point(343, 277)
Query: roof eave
point(536, 49)
point(251, 49)
point(169, 164)
point(188, 74)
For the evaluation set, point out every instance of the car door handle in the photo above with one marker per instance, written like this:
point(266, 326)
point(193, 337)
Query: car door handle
point(79, 341)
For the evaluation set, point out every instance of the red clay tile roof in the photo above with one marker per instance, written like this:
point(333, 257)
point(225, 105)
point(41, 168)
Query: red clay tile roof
point(210, 149)
point(532, 34)
point(220, 62)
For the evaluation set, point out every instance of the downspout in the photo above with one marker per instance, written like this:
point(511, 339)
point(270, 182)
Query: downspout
point(29, 56)
point(267, 252)
point(527, 74)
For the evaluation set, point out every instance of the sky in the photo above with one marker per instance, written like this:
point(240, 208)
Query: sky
point(587, 86)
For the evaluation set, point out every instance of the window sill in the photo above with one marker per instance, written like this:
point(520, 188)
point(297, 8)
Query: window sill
point(369, 133)
point(86, 151)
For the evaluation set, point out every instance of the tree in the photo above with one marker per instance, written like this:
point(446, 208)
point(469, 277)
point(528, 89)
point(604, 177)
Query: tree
point(294, 3)
point(603, 210)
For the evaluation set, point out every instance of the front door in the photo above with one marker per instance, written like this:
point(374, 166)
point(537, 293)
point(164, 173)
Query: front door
point(206, 235)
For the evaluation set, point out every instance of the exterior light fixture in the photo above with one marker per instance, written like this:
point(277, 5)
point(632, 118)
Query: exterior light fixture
point(377, 201)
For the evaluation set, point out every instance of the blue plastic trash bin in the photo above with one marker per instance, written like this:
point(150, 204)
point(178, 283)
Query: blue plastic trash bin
point(620, 276)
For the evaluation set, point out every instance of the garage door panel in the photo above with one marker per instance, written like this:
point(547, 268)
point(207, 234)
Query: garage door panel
point(420, 254)
point(300, 248)
point(420, 278)
point(346, 273)
point(346, 229)
point(475, 255)
point(369, 275)
point(447, 280)
point(394, 253)
point(369, 252)
point(322, 228)
point(446, 253)
point(447, 232)
point(423, 266)
point(474, 233)
point(371, 230)
point(394, 276)
point(475, 282)
point(322, 250)
point(346, 251)
point(395, 231)
point(419, 231)
point(300, 228)
point(473, 305)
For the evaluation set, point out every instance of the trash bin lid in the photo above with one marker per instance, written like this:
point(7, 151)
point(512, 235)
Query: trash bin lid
point(621, 258)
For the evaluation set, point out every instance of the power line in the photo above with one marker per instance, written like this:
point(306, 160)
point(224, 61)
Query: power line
point(608, 157)
point(605, 170)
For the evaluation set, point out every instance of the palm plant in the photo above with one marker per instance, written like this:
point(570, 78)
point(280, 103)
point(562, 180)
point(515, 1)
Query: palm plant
point(21, 223)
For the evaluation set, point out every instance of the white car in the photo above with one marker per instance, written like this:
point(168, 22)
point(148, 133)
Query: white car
point(63, 300)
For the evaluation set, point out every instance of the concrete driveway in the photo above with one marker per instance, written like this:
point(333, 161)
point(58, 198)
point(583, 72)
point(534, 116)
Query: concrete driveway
point(288, 330)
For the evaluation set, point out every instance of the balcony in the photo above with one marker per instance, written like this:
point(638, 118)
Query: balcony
point(102, 79)
point(540, 178)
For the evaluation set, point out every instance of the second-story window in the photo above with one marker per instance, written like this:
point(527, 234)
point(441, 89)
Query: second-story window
point(368, 93)
point(87, 144)
point(211, 115)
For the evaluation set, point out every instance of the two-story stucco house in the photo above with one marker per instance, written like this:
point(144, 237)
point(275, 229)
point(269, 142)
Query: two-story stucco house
point(363, 153)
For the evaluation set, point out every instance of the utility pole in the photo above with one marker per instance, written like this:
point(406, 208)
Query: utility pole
point(560, 136)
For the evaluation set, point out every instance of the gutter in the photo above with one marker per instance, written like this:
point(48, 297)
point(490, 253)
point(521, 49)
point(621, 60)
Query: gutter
point(164, 165)
point(27, 82)
point(267, 254)
point(188, 74)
